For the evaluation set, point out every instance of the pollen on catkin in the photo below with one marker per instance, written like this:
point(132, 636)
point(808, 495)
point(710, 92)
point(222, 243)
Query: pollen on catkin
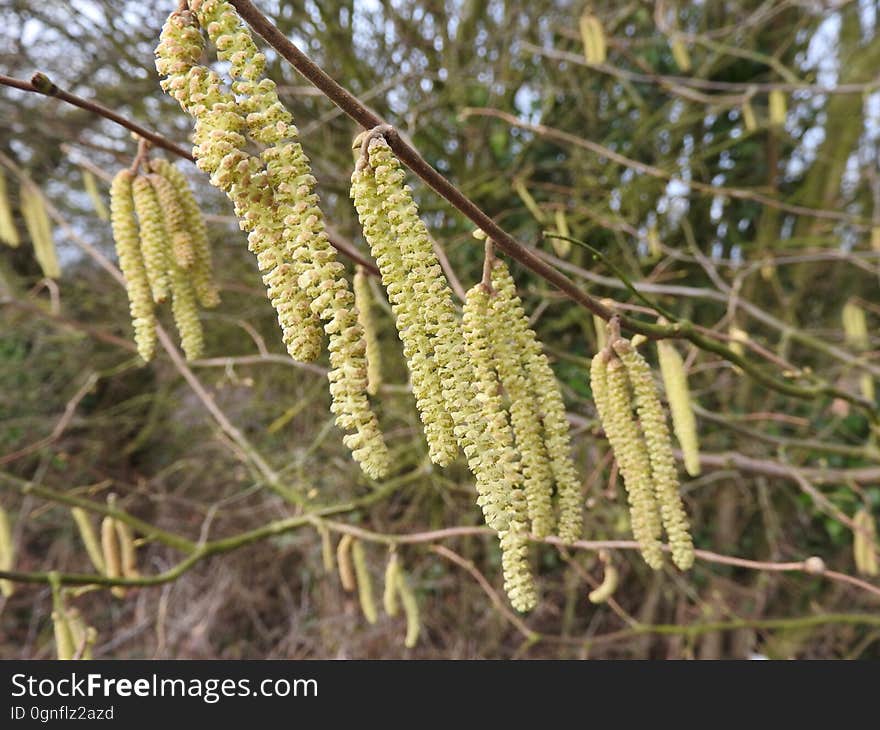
point(7, 552)
point(659, 449)
point(684, 423)
point(363, 300)
point(125, 234)
point(36, 220)
point(518, 579)
point(548, 398)
point(403, 292)
point(8, 231)
point(201, 272)
point(614, 403)
point(89, 537)
point(275, 201)
point(155, 246)
point(182, 249)
point(364, 582)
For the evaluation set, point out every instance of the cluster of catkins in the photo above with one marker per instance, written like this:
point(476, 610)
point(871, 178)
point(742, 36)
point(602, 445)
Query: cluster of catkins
point(354, 574)
point(482, 383)
point(163, 252)
point(635, 424)
point(275, 202)
point(37, 223)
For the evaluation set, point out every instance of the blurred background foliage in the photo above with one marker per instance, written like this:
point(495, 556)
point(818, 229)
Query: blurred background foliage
point(713, 227)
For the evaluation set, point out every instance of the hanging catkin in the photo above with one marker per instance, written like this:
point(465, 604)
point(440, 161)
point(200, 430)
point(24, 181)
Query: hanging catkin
point(512, 319)
point(855, 326)
point(865, 543)
point(8, 231)
point(89, 537)
point(404, 294)
point(92, 191)
point(276, 203)
point(410, 609)
point(364, 582)
point(659, 447)
point(36, 220)
point(606, 588)
point(343, 560)
point(112, 554)
point(201, 272)
point(64, 646)
point(777, 108)
point(182, 249)
point(477, 325)
point(127, 551)
point(593, 38)
point(125, 234)
point(614, 402)
point(390, 592)
point(7, 552)
point(155, 246)
point(680, 54)
point(678, 394)
point(363, 299)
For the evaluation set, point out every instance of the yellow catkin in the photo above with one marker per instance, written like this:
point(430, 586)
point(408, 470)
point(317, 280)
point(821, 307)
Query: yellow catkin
point(343, 560)
point(410, 610)
point(155, 246)
point(219, 152)
point(560, 245)
point(111, 552)
point(777, 108)
point(865, 543)
point(737, 338)
point(7, 552)
point(184, 307)
point(83, 636)
point(127, 551)
point(748, 115)
point(614, 402)
point(684, 422)
point(511, 318)
point(875, 238)
point(327, 555)
point(855, 326)
point(593, 38)
point(680, 54)
point(39, 228)
point(202, 270)
point(520, 187)
point(125, 234)
point(607, 587)
point(182, 248)
point(94, 194)
point(363, 300)
point(364, 582)
point(64, 645)
point(390, 593)
point(443, 330)
point(477, 325)
point(89, 536)
point(400, 280)
point(8, 230)
point(653, 240)
point(275, 201)
point(659, 447)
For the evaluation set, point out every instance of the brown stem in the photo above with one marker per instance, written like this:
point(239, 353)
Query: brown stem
point(41, 84)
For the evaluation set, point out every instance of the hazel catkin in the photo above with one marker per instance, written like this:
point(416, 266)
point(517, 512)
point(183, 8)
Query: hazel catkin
point(678, 394)
point(89, 537)
point(364, 582)
point(363, 299)
point(865, 543)
point(8, 230)
point(39, 228)
point(659, 450)
point(155, 247)
point(125, 235)
point(7, 552)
